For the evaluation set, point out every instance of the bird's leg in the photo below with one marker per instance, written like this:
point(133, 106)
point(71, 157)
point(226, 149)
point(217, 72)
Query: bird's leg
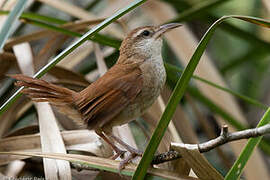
point(118, 151)
point(126, 146)
point(133, 152)
point(125, 161)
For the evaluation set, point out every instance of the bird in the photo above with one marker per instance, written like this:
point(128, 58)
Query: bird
point(121, 95)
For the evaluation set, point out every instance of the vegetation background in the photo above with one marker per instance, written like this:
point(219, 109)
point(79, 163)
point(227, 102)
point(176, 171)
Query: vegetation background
point(234, 90)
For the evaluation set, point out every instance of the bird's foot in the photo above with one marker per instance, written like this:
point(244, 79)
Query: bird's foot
point(119, 153)
point(134, 151)
point(129, 148)
point(133, 154)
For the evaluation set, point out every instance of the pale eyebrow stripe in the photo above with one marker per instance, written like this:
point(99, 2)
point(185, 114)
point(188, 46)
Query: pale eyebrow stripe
point(139, 32)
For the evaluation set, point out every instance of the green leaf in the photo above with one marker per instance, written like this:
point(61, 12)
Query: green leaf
point(12, 17)
point(240, 163)
point(179, 92)
point(69, 49)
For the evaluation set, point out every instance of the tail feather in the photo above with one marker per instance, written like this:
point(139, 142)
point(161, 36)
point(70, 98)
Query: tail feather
point(40, 90)
point(32, 86)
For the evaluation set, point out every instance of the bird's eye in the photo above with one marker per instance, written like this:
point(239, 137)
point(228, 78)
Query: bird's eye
point(145, 33)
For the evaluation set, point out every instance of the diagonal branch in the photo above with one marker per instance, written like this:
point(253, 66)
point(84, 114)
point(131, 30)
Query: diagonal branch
point(224, 138)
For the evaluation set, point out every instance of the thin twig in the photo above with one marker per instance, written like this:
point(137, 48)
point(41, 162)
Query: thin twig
point(224, 138)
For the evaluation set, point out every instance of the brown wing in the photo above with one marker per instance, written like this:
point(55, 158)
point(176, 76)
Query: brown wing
point(110, 94)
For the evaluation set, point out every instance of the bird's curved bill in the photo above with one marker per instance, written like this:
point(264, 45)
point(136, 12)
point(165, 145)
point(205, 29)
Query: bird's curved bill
point(165, 28)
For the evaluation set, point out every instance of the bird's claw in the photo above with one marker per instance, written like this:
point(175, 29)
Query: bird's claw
point(126, 160)
point(119, 153)
point(137, 152)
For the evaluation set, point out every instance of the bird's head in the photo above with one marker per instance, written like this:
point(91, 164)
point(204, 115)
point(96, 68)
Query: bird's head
point(145, 41)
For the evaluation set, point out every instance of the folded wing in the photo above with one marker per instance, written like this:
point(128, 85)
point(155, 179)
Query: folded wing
point(109, 95)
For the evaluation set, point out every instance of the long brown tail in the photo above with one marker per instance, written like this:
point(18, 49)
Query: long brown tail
point(42, 91)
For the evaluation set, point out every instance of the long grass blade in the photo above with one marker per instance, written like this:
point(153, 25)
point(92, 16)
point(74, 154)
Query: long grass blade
point(179, 92)
point(76, 44)
point(13, 16)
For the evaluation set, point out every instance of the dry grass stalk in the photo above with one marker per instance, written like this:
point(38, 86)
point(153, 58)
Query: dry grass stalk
point(183, 44)
point(98, 161)
point(51, 140)
point(93, 75)
point(14, 168)
point(266, 5)
point(77, 140)
point(102, 68)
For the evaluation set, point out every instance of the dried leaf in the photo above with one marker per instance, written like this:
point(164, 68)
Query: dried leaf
point(90, 162)
point(51, 140)
point(77, 140)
